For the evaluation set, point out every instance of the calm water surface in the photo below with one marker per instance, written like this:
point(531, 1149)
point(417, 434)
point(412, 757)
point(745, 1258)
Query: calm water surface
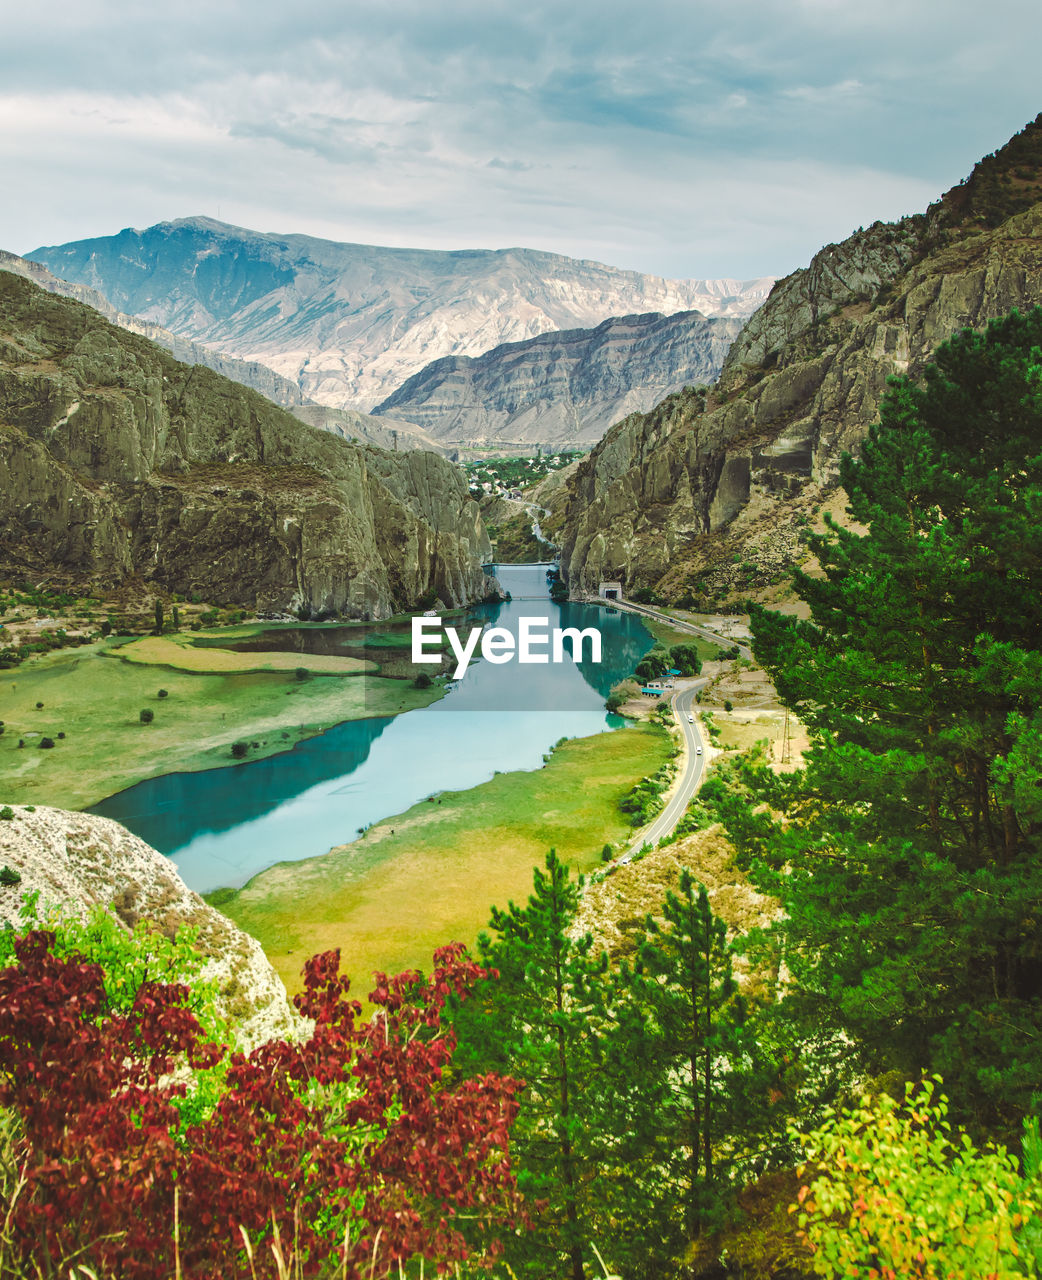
point(222, 826)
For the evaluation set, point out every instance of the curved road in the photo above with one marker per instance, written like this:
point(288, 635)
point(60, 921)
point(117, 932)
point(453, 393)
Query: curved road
point(689, 780)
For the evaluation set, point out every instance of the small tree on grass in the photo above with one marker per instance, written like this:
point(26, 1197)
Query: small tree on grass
point(302, 673)
point(685, 658)
point(159, 617)
point(239, 749)
point(146, 715)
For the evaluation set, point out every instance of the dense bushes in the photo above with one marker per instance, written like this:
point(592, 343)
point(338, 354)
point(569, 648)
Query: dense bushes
point(349, 1149)
point(896, 1194)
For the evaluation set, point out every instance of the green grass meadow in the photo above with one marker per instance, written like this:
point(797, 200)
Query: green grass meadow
point(95, 699)
point(430, 875)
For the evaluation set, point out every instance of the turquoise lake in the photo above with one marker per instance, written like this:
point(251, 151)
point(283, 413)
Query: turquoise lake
point(222, 826)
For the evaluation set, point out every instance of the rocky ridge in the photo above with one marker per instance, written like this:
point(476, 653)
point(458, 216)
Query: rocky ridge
point(250, 373)
point(77, 862)
point(670, 500)
point(349, 323)
point(564, 388)
point(385, 432)
point(122, 464)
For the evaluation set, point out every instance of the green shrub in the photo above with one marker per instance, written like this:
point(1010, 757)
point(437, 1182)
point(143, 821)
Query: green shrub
point(6, 813)
point(146, 715)
point(8, 877)
point(898, 1194)
point(46, 743)
point(239, 749)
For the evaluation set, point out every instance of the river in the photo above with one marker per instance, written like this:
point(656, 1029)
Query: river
point(222, 826)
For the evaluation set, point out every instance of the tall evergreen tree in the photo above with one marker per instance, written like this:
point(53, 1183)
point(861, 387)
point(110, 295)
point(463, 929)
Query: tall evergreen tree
point(692, 1110)
point(540, 1021)
point(911, 839)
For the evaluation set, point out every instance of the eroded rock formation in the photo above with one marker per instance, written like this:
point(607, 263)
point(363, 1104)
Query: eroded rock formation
point(120, 463)
point(77, 862)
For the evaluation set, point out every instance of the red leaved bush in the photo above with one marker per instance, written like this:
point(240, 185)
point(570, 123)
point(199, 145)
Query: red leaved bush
point(348, 1148)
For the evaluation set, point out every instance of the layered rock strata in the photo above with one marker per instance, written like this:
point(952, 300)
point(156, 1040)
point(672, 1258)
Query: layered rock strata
point(563, 389)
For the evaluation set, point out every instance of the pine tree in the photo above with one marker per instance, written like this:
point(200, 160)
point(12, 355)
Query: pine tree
point(692, 1069)
point(911, 837)
point(540, 1021)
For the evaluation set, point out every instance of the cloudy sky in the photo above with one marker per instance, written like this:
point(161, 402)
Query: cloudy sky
point(684, 137)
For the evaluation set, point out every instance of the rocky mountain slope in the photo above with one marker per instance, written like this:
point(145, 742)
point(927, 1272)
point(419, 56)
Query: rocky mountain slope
point(563, 388)
point(250, 373)
point(385, 432)
point(350, 323)
point(77, 862)
point(672, 500)
point(121, 464)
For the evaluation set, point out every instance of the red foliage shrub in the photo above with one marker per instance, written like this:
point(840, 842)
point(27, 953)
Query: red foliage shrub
point(352, 1131)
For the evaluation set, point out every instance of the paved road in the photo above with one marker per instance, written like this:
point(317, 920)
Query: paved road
point(689, 780)
point(692, 628)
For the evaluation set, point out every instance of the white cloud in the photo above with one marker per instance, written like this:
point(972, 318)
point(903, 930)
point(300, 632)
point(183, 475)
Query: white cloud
point(682, 139)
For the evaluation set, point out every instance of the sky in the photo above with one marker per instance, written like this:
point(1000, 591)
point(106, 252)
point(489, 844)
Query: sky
point(679, 137)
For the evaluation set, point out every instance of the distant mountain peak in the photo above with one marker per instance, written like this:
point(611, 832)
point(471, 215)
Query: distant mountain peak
point(349, 323)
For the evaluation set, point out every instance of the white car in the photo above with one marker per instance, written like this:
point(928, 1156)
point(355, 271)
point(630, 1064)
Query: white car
point(691, 719)
point(698, 751)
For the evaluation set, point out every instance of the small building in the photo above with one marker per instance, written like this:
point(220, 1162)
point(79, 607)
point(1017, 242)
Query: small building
point(610, 591)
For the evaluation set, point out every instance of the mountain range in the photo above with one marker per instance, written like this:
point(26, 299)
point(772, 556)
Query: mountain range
point(125, 468)
point(386, 433)
point(349, 323)
point(563, 388)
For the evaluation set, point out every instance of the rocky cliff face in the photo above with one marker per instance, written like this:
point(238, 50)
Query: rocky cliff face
point(348, 324)
point(120, 463)
point(666, 493)
point(564, 388)
point(77, 862)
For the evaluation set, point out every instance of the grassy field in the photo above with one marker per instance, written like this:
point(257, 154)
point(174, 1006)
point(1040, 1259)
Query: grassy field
point(669, 636)
point(429, 876)
point(95, 700)
point(179, 653)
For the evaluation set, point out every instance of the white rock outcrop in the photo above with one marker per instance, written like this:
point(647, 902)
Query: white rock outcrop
point(77, 861)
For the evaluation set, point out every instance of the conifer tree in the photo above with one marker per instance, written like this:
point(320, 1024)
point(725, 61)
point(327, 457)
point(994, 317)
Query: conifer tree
point(689, 1112)
point(542, 1016)
point(911, 838)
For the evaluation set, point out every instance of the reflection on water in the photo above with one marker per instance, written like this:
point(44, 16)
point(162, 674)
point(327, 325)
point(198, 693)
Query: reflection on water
point(221, 826)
